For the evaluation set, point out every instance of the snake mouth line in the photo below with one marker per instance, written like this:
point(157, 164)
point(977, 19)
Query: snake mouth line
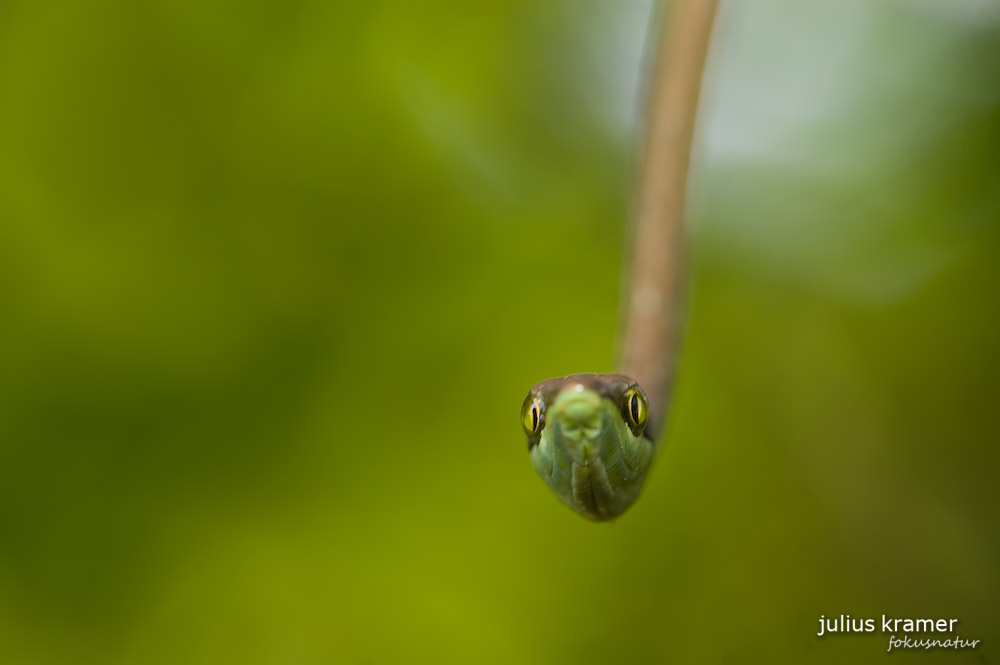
point(593, 495)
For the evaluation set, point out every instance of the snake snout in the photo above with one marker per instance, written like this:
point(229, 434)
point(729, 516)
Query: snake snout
point(579, 416)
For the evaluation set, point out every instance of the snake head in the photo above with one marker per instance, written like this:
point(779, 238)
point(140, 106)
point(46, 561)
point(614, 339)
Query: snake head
point(586, 437)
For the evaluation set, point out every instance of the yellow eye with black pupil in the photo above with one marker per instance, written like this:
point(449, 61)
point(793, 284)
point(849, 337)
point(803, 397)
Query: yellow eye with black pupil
point(531, 415)
point(636, 407)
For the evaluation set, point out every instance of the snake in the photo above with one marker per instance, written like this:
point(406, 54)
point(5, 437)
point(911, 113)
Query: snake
point(593, 437)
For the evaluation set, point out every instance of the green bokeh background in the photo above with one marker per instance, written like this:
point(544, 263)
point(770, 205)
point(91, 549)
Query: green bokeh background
point(276, 276)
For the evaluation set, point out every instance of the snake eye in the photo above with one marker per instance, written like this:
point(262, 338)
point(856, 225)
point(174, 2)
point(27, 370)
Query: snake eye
point(636, 408)
point(532, 416)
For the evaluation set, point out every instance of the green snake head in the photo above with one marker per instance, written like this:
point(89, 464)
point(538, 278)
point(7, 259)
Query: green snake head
point(587, 442)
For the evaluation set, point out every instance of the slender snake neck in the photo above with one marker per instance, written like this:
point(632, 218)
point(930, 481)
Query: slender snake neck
point(653, 315)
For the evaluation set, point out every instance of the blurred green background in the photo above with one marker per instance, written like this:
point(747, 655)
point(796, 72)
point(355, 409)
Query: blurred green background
point(276, 276)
